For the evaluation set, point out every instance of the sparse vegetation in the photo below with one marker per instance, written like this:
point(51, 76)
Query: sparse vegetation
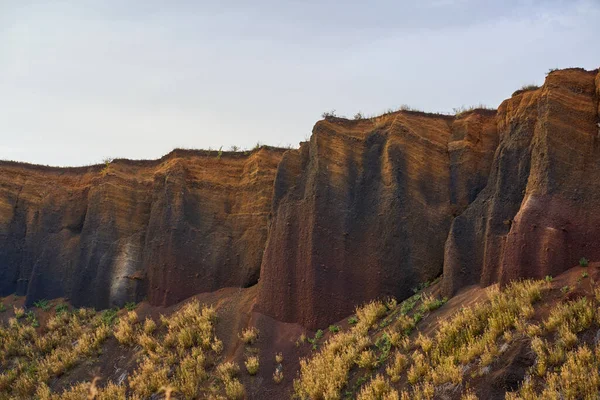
point(249, 335)
point(583, 262)
point(460, 111)
point(106, 161)
point(278, 376)
point(428, 361)
point(328, 114)
point(180, 358)
point(252, 364)
point(42, 304)
point(385, 354)
point(526, 88)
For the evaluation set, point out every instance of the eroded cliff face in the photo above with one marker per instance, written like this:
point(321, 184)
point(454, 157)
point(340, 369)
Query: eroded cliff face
point(363, 210)
point(188, 223)
point(538, 214)
point(366, 209)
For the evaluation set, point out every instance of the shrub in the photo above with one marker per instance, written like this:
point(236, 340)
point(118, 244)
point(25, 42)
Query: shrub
point(61, 308)
point(371, 312)
point(334, 328)
point(430, 303)
point(377, 388)
point(42, 304)
point(124, 331)
point(234, 389)
point(328, 114)
point(19, 312)
point(352, 320)
point(2, 307)
point(109, 316)
point(583, 262)
point(149, 326)
point(397, 366)
point(279, 358)
point(252, 364)
point(367, 359)
point(409, 304)
point(249, 335)
point(278, 376)
point(227, 370)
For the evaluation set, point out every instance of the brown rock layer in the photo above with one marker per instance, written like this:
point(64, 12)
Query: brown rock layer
point(363, 210)
point(539, 213)
point(190, 222)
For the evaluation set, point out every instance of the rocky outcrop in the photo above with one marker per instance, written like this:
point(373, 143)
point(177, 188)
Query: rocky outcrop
point(539, 212)
point(190, 222)
point(363, 210)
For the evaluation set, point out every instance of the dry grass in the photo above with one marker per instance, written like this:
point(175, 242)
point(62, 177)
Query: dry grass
point(179, 358)
point(324, 375)
point(466, 340)
point(252, 364)
point(249, 335)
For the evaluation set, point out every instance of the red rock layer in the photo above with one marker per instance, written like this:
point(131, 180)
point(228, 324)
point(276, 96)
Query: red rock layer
point(190, 222)
point(363, 210)
point(539, 213)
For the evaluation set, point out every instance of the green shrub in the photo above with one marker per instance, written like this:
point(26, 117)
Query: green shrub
point(109, 316)
point(42, 304)
point(583, 262)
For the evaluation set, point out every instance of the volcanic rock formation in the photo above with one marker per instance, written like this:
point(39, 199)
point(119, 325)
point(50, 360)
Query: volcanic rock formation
point(190, 222)
point(367, 208)
point(363, 210)
point(538, 214)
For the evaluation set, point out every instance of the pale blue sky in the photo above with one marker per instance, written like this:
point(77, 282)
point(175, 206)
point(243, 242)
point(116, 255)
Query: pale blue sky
point(81, 80)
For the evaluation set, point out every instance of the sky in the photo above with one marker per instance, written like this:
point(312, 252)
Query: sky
point(84, 80)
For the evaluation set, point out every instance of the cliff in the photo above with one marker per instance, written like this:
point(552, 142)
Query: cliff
point(366, 209)
point(538, 214)
point(190, 222)
point(363, 210)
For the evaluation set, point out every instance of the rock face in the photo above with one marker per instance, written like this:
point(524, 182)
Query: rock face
point(167, 229)
point(368, 208)
point(539, 213)
point(363, 210)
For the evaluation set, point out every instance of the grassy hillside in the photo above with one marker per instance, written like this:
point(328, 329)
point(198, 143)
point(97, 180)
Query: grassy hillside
point(530, 340)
